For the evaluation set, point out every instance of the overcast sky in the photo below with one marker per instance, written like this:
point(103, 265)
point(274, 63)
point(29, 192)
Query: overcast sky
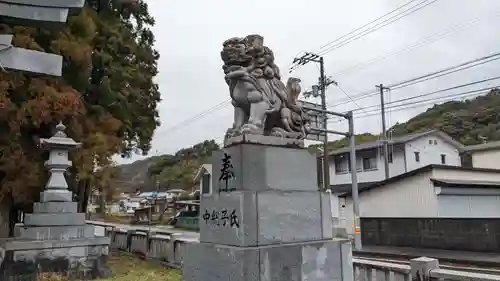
point(189, 34)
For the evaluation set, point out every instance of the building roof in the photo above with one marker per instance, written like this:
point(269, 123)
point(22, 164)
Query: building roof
point(341, 189)
point(419, 171)
point(201, 171)
point(399, 140)
point(494, 145)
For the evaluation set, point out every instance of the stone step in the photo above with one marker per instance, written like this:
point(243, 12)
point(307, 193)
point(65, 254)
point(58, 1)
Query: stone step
point(56, 196)
point(36, 246)
point(247, 218)
point(61, 219)
point(53, 232)
point(55, 207)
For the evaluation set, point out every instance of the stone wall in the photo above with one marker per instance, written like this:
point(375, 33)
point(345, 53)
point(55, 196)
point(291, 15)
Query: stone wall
point(479, 235)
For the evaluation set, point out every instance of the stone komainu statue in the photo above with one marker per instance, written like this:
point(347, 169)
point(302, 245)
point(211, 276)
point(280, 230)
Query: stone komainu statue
point(263, 105)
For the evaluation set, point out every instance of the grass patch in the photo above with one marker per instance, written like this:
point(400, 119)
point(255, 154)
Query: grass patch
point(129, 268)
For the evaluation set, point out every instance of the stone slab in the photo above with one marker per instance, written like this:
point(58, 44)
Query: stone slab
point(61, 219)
point(264, 218)
point(31, 61)
point(311, 261)
point(257, 167)
point(24, 245)
point(49, 3)
point(34, 14)
point(55, 207)
point(56, 196)
point(54, 232)
point(264, 140)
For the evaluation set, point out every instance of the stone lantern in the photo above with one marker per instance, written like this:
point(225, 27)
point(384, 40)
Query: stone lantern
point(58, 146)
point(55, 237)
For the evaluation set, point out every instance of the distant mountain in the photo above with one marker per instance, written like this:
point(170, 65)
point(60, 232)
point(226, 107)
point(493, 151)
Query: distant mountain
point(134, 176)
point(171, 171)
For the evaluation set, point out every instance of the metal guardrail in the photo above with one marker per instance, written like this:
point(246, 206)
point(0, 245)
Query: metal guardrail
point(418, 269)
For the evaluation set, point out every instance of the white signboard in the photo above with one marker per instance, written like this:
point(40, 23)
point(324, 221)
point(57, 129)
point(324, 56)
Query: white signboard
point(317, 120)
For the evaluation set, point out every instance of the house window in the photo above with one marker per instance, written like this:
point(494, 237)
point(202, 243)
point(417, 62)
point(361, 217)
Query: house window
point(389, 157)
point(417, 156)
point(435, 142)
point(359, 165)
point(443, 159)
point(369, 163)
point(430, 141)
point(340, 165)
point(205, 184)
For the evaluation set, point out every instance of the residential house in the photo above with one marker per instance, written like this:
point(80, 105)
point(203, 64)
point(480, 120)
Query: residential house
point(204, 178)
point(406, 153)
point(484, 155)
point(436, 206)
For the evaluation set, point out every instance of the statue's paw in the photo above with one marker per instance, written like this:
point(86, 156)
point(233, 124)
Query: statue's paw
point(251, 129)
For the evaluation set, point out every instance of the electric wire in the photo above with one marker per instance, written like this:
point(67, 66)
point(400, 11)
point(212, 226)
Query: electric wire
point(417, 44)
point(367, 24)
point(377, 27)
point(425, 77)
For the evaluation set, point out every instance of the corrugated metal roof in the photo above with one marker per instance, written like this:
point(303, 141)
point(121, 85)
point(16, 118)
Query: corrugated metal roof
point(483, 146)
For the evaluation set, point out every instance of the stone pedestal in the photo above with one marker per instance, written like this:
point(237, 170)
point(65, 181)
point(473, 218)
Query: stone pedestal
point(268, 221)
point(55, 237)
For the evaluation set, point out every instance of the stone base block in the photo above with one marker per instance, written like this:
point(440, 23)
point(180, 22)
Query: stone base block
point(80, 261)
point(56, 219)
point(312, 261)
point(54, 232)
point(56, 196)
point(55, 207)
point(262, 218)
point(258, 167)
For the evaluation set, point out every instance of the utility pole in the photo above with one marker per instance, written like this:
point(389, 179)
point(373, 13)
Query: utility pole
point(384, 130)
point(323, 84)
point(326, 164)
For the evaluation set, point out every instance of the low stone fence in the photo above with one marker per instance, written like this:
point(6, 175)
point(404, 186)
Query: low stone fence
point(168, 248)
point(165, 247)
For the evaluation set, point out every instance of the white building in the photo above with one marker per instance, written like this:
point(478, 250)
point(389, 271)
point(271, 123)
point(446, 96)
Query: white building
point(484, 155)
point(406, 153)
point(204, 177)
point(433, 191)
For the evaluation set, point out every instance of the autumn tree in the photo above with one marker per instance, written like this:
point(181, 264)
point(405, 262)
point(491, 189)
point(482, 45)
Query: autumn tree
point(106, 96)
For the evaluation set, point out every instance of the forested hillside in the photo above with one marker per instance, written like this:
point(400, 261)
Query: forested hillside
point(465, 121)
point(171, 170)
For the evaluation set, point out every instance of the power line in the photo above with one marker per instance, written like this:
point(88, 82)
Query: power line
point(365, 25)
point(431, 101)
point(378, 26)
point(198, 116)
point(417, 44)
point(438, 91)
point(376, 112)
point(426, 77)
